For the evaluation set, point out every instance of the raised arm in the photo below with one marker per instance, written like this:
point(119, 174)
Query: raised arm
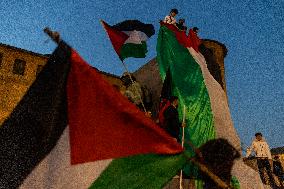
point(250, 149)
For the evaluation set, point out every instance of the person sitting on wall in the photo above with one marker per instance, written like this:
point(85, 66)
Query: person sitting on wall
point(180, 25)
point(193, 39)
point(170, 19)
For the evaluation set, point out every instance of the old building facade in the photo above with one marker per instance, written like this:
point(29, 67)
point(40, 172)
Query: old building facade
point(18, 70)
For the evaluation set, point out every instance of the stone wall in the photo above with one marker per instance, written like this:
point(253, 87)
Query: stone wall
point(13, 85)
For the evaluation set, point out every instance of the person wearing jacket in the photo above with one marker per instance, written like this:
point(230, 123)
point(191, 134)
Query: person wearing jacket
point(172, 123)
point(263, 156)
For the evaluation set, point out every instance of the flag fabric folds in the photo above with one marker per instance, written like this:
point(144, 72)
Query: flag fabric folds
point(112, 126)
point(188, 84)
point(129, 38)
point(70, 115)
point(207, 111)
point(190, 40)
point(142, 171)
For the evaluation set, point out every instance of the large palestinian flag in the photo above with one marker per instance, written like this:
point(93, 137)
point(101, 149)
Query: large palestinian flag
point(129, 38)
point(207, 111)
point(72, 125)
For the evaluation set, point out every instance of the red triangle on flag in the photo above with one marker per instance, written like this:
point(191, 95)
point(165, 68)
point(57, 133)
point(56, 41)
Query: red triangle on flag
point(104, 124)
point(116, 37)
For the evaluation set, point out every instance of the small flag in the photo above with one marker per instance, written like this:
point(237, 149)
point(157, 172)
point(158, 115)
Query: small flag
point(129, 38)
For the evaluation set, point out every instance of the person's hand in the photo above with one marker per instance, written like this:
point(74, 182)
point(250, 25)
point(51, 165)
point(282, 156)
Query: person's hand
point(183, 124)
point(148, 114)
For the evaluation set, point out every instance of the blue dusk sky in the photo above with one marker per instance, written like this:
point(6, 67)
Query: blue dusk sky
point(253, 32)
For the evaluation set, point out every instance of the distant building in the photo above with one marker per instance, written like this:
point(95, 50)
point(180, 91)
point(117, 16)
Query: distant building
point(18, 70)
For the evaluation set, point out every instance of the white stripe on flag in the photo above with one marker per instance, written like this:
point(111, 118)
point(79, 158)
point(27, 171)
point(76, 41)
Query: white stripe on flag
point(135, 37)
point(223, 124)
point(56, 171)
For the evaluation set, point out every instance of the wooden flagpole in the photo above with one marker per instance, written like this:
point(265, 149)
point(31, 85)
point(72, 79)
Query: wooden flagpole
point(55, 36)
point(128, 73)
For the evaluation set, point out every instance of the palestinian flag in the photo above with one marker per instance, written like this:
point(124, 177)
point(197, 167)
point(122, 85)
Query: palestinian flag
point(72, 128)
point(129, 38)
point(207, 111)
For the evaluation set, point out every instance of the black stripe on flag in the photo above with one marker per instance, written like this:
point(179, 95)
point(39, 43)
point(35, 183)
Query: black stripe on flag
point(37, 122)
point(130, 25)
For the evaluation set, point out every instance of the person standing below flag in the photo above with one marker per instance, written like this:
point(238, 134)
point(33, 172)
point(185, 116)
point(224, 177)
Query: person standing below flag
point(263, 155)
point(133, 90)
point(172, 124)
point(170, 19)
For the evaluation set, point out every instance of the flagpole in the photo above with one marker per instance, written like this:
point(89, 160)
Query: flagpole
point(128, 73)
point(55, 36)
point(182, 144)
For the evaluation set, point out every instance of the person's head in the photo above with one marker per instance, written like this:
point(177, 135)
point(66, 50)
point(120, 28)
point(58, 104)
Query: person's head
point(181, 21)
point(174, 12)
point(258, 136)
point(125, 78)
point(276, 157)
point(195, 29)
point(174, 100)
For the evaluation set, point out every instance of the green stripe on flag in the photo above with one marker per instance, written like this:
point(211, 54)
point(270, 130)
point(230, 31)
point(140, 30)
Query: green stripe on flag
point(141, 171)
point(133, 50)
point(188, 84)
